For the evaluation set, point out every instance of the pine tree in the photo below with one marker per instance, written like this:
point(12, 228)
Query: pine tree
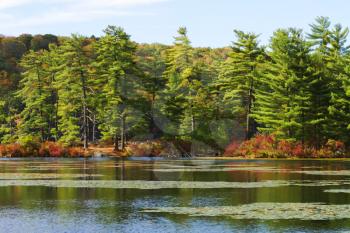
point(339, 108)
point(329, 48)
point(35, 94)
point(182, 79)
point(73, 82)
point(117, 73)
point(151, 61)
point(320, 37)
point(239, 77)
point(283, 97)
point(52, 68)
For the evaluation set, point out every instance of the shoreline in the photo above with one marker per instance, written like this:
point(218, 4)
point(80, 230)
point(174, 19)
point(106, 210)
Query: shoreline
point(56, 150)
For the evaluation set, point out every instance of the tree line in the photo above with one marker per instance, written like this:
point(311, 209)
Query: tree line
point(82, 90)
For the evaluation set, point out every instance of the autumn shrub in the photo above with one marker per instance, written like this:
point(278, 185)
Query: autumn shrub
point(3, 150)
point(231, 149)
point(15, 150)
point(285, 148)
point(268, 146)
point(261, 146)
point(337, 148)
point(298, 150)
point(51, 149)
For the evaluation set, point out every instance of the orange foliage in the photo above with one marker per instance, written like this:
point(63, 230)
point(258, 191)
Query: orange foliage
point(267, 146)
point(51, 149)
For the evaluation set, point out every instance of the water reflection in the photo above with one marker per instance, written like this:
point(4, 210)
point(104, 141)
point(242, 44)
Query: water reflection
point(68, 209)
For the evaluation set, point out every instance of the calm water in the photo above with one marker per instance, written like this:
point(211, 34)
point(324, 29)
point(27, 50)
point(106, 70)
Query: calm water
point(133, 195)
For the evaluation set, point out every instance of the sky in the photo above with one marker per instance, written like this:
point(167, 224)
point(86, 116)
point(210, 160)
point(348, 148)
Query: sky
point(209, 22)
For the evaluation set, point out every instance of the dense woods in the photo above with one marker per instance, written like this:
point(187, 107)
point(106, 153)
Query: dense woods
point(79, 90)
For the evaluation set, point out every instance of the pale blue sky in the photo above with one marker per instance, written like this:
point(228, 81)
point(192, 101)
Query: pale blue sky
point(210, 22)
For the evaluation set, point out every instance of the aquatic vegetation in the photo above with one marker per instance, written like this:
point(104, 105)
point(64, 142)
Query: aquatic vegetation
point(337, 191)
point(325, 173)
point(44, 180)
point(263, 211)
point(143, 184)
point(320, 183)
point(25, 176)
point(215, 169)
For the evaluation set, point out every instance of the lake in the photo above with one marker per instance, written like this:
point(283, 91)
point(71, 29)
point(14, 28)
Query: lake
point(160, 195)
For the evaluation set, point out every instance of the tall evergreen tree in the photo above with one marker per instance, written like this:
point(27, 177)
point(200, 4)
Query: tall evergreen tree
point(329, 48)
point(35, 117)
point(283, 98)
point(73, 84)
point(117, 73)
point(182, 82)
point(151, 61)
point(339, 108)
point(239, 78)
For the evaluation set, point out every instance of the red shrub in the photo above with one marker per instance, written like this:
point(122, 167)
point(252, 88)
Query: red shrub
point(51, 149)
point(231, 149)
point(259, 146)
point(298, 150)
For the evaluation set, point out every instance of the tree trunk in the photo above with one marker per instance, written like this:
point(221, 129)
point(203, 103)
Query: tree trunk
point(249, 122)
point(123, 114)
point(116, 143)
point(85, 132)
point(94, 129)
point(122, 132)
point(85, 123)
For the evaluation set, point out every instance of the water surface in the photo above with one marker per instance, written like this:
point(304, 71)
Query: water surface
point(144, 195)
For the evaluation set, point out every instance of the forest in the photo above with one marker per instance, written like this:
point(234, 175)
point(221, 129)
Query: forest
point(289, 98)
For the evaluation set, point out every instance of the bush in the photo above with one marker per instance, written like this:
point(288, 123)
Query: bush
point(261, 146)
point(15, 150)
point(231, 149)
point(3, 150)
point(52, 149)
point(267, 146)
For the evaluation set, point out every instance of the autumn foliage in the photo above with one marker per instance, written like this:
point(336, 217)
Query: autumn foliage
point(268, 146)
point(45, 149)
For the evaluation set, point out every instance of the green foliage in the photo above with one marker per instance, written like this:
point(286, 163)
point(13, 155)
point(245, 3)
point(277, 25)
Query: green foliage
point(81, 90)
point(283, 101)
point(73, 82)
point(239, 76)
point(117, 74)
point(35, 94)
